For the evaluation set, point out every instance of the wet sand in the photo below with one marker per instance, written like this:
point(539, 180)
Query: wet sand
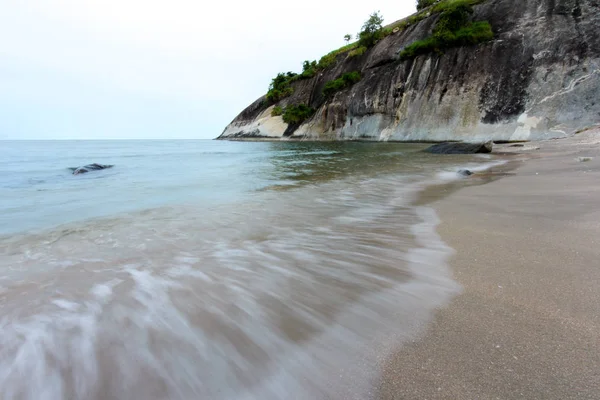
point(527, 325)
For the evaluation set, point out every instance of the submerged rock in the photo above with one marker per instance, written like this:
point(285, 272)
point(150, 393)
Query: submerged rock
point(88, 168)
point(460, 148)
point(465, 172)
point(584, 159)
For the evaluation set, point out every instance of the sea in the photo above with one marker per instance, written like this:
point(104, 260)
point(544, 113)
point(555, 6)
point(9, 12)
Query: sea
point(208, 269)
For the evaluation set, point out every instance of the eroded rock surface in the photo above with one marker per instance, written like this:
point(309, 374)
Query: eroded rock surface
point(539, 78)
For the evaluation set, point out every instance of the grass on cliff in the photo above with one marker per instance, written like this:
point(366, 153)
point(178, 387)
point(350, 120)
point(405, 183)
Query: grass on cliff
point(354, 49)
point(453, 29)
point(441, 5)
point(359, 51)
point(281, 85)
point(372, 31)
point(343, 82)
point(476, 32)
point(276, 111)
point(296, 114)
point(329, 59)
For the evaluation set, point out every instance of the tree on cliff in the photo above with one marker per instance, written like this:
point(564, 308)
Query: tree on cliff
point(372, 30)
point(347, 38)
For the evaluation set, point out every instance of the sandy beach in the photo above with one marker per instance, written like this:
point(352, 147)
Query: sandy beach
point(527, 324)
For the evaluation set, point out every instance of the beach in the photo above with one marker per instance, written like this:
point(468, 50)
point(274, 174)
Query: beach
point(527, 324)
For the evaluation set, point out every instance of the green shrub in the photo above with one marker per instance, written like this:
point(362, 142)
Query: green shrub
point(309, 69)
point(280, 86)
point(477, 32)
point(445, 5)
point(332, 87)
point(295, 114)
point(401, 25)
point(351, 77)
point(359, 51)
point(274, 95)
point(327, 60)
point(449, 33)
point(421, 4)
point(474, 33)
point(419, 47)
point(341, 83)
point(453, 29)
point(372, 30)
point(453, 18)
point(277, 111)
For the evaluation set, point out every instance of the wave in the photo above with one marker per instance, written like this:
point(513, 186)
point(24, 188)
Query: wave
point(286, 293)
point(256, 301)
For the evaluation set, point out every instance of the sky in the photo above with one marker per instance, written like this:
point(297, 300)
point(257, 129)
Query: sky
point(147, 69)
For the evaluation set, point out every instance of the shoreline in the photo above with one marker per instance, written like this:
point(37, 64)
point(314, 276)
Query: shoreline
point(527, 324)
point(357, 140)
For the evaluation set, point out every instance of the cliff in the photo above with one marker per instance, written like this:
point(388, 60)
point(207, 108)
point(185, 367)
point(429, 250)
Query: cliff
point(539, 77)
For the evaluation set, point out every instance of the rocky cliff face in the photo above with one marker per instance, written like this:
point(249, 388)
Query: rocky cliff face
point(539, 78)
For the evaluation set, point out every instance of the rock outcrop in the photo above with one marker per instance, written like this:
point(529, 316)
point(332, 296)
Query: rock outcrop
point(460, 148)
point(538, 78)
point(88, 168)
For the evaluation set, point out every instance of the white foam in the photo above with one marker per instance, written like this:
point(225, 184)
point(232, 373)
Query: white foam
point(65, 304)
point(186, 270)
point(187, 259)
point(103, 292)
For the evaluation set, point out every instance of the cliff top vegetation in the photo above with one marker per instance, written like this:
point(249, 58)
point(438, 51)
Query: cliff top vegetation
point(454, 28)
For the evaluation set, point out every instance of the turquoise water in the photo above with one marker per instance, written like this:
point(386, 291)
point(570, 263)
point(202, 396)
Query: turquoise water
point(214, 270)
point(38, 190)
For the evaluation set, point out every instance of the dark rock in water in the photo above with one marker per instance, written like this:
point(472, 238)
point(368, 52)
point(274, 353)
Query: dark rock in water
point(517, 145)
point(465, 172)
point(88, 168)
point(460, 148)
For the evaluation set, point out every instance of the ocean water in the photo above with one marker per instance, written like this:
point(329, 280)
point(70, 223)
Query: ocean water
point(215, 270)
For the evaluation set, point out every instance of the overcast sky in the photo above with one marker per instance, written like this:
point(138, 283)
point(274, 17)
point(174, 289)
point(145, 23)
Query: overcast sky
point(109, 69)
